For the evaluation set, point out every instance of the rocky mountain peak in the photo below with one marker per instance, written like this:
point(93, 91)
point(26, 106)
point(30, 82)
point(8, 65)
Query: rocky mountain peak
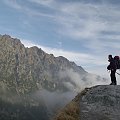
point(9, 39)
point(33, 67)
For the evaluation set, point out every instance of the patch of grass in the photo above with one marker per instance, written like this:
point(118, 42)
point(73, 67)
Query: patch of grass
point(72, 110)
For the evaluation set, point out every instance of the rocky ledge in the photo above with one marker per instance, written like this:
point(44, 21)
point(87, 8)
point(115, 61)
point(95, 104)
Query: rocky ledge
point(96, 103)
point(101, 103)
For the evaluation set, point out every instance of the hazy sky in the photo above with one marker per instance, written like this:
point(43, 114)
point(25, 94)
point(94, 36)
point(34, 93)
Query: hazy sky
point(84, 31)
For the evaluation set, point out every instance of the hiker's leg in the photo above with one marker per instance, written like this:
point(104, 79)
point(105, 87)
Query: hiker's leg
point(113, 77)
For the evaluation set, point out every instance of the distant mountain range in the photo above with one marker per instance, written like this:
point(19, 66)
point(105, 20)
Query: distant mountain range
point(32, 73)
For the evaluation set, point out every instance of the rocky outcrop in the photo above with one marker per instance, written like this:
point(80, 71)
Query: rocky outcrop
point(96, 103)
point(101, 103)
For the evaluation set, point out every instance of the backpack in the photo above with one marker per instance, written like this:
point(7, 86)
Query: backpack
point(117, 62)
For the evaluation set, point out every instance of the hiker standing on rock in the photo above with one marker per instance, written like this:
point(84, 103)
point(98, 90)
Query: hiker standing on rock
point(112, 68)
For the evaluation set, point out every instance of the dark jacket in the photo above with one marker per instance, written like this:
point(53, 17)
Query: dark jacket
point(112, 65)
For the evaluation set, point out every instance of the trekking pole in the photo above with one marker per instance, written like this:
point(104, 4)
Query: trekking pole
point(118, 73)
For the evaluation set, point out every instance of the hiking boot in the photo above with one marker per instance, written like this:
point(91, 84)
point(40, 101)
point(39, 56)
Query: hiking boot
point(113, 84)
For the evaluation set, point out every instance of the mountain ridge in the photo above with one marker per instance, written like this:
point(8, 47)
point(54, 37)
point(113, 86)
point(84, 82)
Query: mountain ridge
point(25, 59)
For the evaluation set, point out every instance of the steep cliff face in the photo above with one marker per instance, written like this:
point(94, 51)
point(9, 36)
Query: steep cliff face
point(33, 80)
point(97, 103)
point(26, 69)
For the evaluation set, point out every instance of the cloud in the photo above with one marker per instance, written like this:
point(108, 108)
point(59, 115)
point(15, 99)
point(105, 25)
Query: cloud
point(84, 20)
point(13, 4)
point(80, 81)
point(32, 12)
point(79, 58)
point(47, 3)
point(24, 8)
point(77, 20)
point(54, 101)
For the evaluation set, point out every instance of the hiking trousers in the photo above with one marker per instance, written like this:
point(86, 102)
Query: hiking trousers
point(113, 77)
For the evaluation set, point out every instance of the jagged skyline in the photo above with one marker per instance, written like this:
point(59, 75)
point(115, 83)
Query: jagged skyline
point(83, 31)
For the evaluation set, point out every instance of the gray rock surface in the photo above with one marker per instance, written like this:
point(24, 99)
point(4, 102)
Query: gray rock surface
point(101, 103)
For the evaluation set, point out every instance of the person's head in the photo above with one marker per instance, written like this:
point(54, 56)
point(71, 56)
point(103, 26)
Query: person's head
point(110, 57)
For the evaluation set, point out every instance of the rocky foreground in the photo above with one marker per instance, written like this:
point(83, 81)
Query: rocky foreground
point(96, 103)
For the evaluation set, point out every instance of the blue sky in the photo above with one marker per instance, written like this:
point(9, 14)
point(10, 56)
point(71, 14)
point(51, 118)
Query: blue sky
point(84, 31)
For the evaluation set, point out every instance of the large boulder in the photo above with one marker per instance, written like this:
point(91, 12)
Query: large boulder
point(100, 103)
